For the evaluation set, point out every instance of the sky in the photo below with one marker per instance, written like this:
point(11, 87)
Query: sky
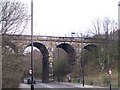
point(61, 17)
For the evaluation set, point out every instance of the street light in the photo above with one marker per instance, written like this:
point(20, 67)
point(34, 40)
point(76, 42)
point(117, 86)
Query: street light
point(32, 64)
point(58, 67)
point(72, 34)
point(82, 69)
point(83, 81)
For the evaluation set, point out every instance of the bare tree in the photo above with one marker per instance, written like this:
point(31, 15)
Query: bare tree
point(96, 27)
point(14, 18)
point(104, 29)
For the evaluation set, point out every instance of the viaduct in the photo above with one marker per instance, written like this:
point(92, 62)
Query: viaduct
point(47, 44)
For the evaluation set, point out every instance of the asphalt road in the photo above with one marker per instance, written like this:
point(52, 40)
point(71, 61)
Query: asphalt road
point(62, 86)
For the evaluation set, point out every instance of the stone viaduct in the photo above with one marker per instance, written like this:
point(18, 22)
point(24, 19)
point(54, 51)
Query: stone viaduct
point(46, 45)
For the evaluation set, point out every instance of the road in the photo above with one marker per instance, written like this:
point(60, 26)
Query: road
point(62, 86)
point(51, 85)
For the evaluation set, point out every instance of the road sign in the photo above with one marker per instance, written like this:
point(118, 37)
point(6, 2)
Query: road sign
point(110, 72)
point(30, 71)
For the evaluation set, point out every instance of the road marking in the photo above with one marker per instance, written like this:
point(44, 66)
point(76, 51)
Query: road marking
point(22, 85)
point(46, 86)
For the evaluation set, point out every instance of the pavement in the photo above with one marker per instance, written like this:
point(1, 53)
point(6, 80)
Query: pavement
point(77, 85)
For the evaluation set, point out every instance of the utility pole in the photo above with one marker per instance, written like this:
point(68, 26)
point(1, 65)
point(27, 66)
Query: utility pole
point(32, 63)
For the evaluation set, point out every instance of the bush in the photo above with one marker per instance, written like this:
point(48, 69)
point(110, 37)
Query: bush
point(11, 71)
point(105, 79)
point(90, 81)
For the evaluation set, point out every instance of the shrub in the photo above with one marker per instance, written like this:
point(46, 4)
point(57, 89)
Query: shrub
point(11, 71)
point(105, 79)
point(90, 81)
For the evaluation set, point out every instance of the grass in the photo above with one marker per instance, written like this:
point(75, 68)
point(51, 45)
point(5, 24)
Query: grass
point(103, 79)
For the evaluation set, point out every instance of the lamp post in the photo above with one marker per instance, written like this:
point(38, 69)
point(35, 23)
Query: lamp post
point(32, 63)
point(58, 67)
point(72, 34)
point(82, 69)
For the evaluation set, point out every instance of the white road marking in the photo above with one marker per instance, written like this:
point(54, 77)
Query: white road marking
point(46, 86)
point(22, 85)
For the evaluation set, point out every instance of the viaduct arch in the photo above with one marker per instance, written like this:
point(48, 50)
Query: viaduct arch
point(45, 61)
point(69, 50)
point(47, 45)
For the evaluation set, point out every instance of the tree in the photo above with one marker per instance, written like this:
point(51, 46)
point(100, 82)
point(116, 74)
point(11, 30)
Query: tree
point(37, 55)
point(11, 70)
point(61, 64)
point(90, 61)
point(14, 17)
point(104, 29)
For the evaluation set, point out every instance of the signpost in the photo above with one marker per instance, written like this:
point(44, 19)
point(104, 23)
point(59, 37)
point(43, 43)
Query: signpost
point(110, 72)
point(30, 71)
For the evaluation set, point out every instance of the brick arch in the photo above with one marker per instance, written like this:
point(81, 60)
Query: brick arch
point(45, 61)
point(69, 50)
point(90, 47)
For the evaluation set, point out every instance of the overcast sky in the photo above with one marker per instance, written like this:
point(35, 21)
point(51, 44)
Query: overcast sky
point(60, 17)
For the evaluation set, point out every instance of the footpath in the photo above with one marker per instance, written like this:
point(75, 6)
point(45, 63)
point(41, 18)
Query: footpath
point(78, 85)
